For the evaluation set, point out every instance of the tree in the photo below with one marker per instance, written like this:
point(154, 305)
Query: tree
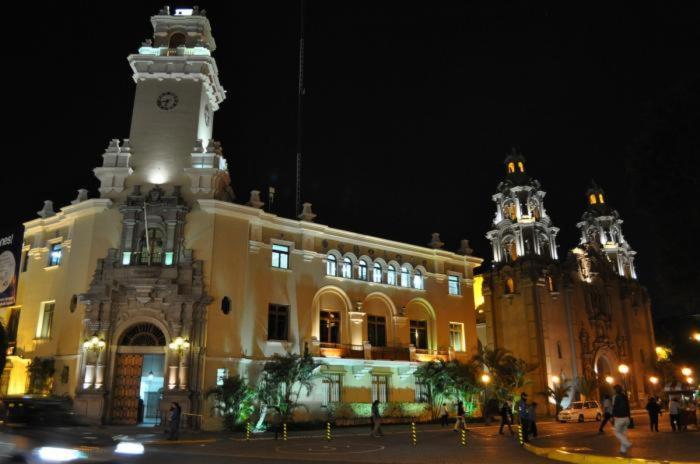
point(586, 386)
point(282, 381)
point(234, 400)
point(439, 384)
point(558, 393)
point(509, 374)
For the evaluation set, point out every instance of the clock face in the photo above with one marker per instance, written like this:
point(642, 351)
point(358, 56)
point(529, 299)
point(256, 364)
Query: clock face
point(167, 101)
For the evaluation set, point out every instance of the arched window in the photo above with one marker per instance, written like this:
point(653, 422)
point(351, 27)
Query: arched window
point(377, 273)
point(521, 166)
point(347, 268)
point(600, 198)
point(592, 199)
point(510, 252)
point(362, 270)
point(154, 244)
point(331, 265)
point(418, 280)
point(391, 275)
point(511, 167)
point(176, 40)
point(405, 277)
point(143, 335)
point(510, 286)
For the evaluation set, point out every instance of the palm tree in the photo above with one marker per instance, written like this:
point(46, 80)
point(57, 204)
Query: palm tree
point(234, 400)
point(558, 393)
point(586, 386)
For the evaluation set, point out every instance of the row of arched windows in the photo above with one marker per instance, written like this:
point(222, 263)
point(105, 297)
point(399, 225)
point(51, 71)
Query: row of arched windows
point(403, 276)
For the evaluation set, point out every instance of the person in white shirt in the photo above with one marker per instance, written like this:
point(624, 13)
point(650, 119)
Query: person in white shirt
point(674, 412)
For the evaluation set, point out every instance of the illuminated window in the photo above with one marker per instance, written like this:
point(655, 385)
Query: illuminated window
point(380, 388)
point(521, 166)
point(362, 270)
point(592, 199)
point(600, 198)
point(391, 275)
point(453, 285)
point(457, 336)
point(330, 327)
point(221, 375)
point(376, 330)
point(45, 319)
point(510, 285)
point(405, 277)
point(280, 256)
point(331, 265)
point(511, 167)
point(422, 391)
point(550, 283)
point(377, 273)
point(55, 254)
point(418, 280)
point(419, 334)
point(332, 386)
point(347, 268)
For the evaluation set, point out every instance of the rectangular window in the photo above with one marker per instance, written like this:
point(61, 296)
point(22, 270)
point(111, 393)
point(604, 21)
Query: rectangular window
point(457, 336)
point(55, 254)
point(277, 322)
point(422, 393)
point(380, 388)
point(12, 326)
point(330, 327)
point(333, 387)
point(453, 285)
point(280, 256)
point(419, 334)
point(221, 374)
point(45, 319)
point(376, 330)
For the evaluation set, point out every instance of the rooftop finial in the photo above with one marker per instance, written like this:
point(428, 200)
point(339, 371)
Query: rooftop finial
point(306, 213)
point(435, 241)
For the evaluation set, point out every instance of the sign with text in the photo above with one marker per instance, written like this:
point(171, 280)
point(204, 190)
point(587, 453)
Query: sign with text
point(10, 259)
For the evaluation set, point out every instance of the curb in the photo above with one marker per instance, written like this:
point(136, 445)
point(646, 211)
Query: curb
point(580, 458)
point(180, 442)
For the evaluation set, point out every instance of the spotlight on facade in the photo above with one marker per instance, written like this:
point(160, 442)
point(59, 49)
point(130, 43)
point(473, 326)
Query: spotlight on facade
point(179, 344)
point(686, 371)
point(555, 379)
point(94, 343)
point(609, 379)
point(653, 380)
point(485, 379)
point(623, 369)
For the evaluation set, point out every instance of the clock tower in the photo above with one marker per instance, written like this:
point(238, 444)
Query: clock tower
point(177, 93)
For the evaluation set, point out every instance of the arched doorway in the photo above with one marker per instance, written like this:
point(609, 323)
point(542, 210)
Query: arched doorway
point(604, 371)
point(138, 375)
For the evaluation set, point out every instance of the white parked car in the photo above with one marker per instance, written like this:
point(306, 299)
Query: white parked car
point(581, 411)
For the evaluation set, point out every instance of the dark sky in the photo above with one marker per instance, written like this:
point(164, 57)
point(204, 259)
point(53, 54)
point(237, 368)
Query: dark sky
point(410, 107)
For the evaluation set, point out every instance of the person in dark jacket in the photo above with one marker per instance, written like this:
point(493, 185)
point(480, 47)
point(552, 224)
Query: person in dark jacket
point(376, 420)
point(506, 417)
point(607, 412)
point(459, 423)
point(523, 416)
point(532, 414)
point(653, 409)
point(621, 418)
point(174, 419)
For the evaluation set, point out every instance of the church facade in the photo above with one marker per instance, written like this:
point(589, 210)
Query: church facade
point(582, 317)
point(162, 286)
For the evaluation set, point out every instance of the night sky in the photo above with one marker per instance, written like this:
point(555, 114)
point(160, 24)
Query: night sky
point(409, 110)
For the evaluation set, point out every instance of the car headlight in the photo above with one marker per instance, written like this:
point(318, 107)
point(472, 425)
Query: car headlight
point(129, 447)
point(55, 454)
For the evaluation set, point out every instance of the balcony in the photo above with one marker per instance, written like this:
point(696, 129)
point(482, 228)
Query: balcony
point(383, 353)
point(337, 350)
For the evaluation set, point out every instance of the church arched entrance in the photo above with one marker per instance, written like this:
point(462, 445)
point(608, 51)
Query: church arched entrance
point(604, 371)
point(138, 375)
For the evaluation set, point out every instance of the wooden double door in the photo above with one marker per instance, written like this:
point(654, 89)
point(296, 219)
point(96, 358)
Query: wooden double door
point(128, 371)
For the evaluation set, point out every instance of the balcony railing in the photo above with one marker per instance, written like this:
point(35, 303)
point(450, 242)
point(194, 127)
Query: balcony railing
point(337, 350)
point(386, 353)
point(391, 353)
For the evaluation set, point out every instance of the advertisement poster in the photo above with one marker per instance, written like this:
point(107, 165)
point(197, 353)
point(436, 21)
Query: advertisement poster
point(10, 258)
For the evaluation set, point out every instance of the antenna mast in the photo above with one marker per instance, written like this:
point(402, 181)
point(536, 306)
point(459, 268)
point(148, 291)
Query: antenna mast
point(300, 99)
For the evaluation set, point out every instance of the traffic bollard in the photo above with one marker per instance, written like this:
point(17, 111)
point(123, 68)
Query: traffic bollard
point(247, 431)
point(463, 438)
point(284, 432)
point(520, 434)
point(414, 439)
point(328, 431)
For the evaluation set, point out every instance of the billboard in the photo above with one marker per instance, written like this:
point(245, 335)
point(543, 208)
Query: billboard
point(10, 259)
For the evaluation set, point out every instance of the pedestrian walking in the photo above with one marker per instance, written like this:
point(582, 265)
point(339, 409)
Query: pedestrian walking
point(674, 412)
point(276, 420)
point(621, 418)
point(376, 420)
point(174, 420)
point(653, 409)
point(607, 412)
point(459, 423)
point(523, 416)
point(444, 416)
point(532, 415)
point(506, 413)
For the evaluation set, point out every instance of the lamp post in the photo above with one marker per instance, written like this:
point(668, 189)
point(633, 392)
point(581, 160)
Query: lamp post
point(609, 379)
point(486, 380)
point(686, 371)
point(94, 343)
point(696, 336)
point(178, 372)
point(624, 370)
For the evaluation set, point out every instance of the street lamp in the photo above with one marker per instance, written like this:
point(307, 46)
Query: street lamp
point(609, 379)
point(179, 344)
point(653, 380)
point(555, 379)
point(696, 336)
point(624, 370)
point(485, 379)
point(689, 380)
point(686, 371)
point(94, 343)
